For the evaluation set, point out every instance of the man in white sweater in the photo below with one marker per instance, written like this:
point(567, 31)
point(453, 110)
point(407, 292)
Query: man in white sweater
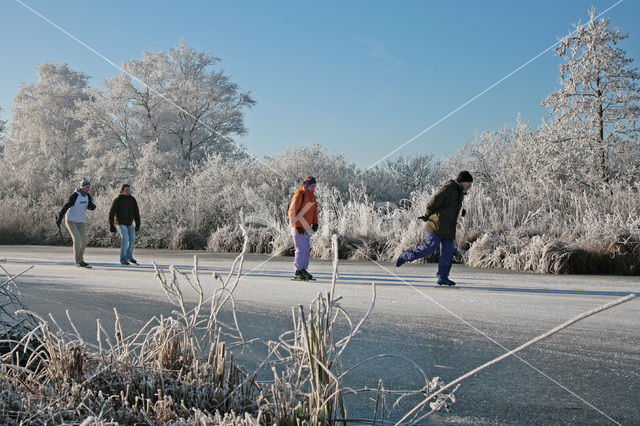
point(76, 213)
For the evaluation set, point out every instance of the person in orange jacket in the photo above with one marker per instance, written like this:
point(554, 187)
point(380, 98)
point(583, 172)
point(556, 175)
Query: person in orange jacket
point(303, 217)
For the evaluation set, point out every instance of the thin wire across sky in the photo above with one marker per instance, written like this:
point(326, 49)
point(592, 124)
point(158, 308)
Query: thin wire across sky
point(455, 110)
point(140, 81)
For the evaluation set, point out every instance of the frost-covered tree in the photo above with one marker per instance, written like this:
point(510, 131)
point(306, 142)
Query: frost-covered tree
point(176, 101)
point(330, 168)
point(3, 125)
point(397, 178)
point(596, 107)
point(112, 131)
point(206, 107)
point(44, 147)
point(500, 158)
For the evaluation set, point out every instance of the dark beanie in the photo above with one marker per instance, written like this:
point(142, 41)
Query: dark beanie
point(464, 176)
point(308, 181)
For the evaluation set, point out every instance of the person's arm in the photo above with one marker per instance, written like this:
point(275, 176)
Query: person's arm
point(314, 224)
point(437, 202)
point(136, 214)
point(90, 205)
point(294, 208)
point(70, 202)
point(112, 211)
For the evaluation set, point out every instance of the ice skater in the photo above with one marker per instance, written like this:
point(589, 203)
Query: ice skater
point(303, 217)
point(124, 211)
point(441, 217)
point(75, 213)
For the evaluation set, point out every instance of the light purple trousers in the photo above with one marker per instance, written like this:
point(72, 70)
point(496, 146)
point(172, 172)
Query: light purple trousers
point(302, 244)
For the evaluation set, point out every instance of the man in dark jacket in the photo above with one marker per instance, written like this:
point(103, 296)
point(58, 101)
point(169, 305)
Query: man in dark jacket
point(441, 217)
point(124, 211)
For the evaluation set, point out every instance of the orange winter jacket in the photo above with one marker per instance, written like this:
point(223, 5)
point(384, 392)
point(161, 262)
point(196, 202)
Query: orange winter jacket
point(303, 209)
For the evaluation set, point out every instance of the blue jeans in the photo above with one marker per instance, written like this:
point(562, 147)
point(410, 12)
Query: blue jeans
point(128, 235)
point(429, 247)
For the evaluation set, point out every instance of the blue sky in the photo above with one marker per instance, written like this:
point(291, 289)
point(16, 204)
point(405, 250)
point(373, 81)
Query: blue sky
point(360, 77)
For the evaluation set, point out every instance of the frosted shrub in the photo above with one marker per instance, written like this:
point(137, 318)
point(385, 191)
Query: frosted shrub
point(28, 219)
point(487, 252)
point(542, 253)
point(508, 225)
point(188, 239)
point(331, 169)
point(227, 239)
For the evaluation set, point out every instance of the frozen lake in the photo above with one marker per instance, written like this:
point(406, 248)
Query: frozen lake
point(586, 374)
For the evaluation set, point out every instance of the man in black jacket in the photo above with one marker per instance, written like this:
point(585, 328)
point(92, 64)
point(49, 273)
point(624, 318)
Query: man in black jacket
point(124, 211)
point(441, 217)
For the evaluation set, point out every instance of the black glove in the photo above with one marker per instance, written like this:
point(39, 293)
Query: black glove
point(463, 212)
point(314, 227)
point(112, 227)
point(137, 228)
point(300, 230)
point(424, 218)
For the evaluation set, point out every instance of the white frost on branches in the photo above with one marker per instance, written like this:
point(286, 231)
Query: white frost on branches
point(595, 110)
point(44, 146)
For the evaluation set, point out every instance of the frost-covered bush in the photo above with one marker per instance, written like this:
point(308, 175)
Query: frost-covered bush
point(397, 178)
point(515, 219)
point(188, 239)
point(514, 216)
point(28, 219)
point(544, 254)
point(561, 233)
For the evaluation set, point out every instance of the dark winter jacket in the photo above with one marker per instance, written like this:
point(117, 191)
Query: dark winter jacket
point(125, 210)
point(71, 203)
point(443, 210)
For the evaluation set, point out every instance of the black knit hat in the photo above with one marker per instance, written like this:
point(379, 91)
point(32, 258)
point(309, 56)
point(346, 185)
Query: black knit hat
point(464, 176)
